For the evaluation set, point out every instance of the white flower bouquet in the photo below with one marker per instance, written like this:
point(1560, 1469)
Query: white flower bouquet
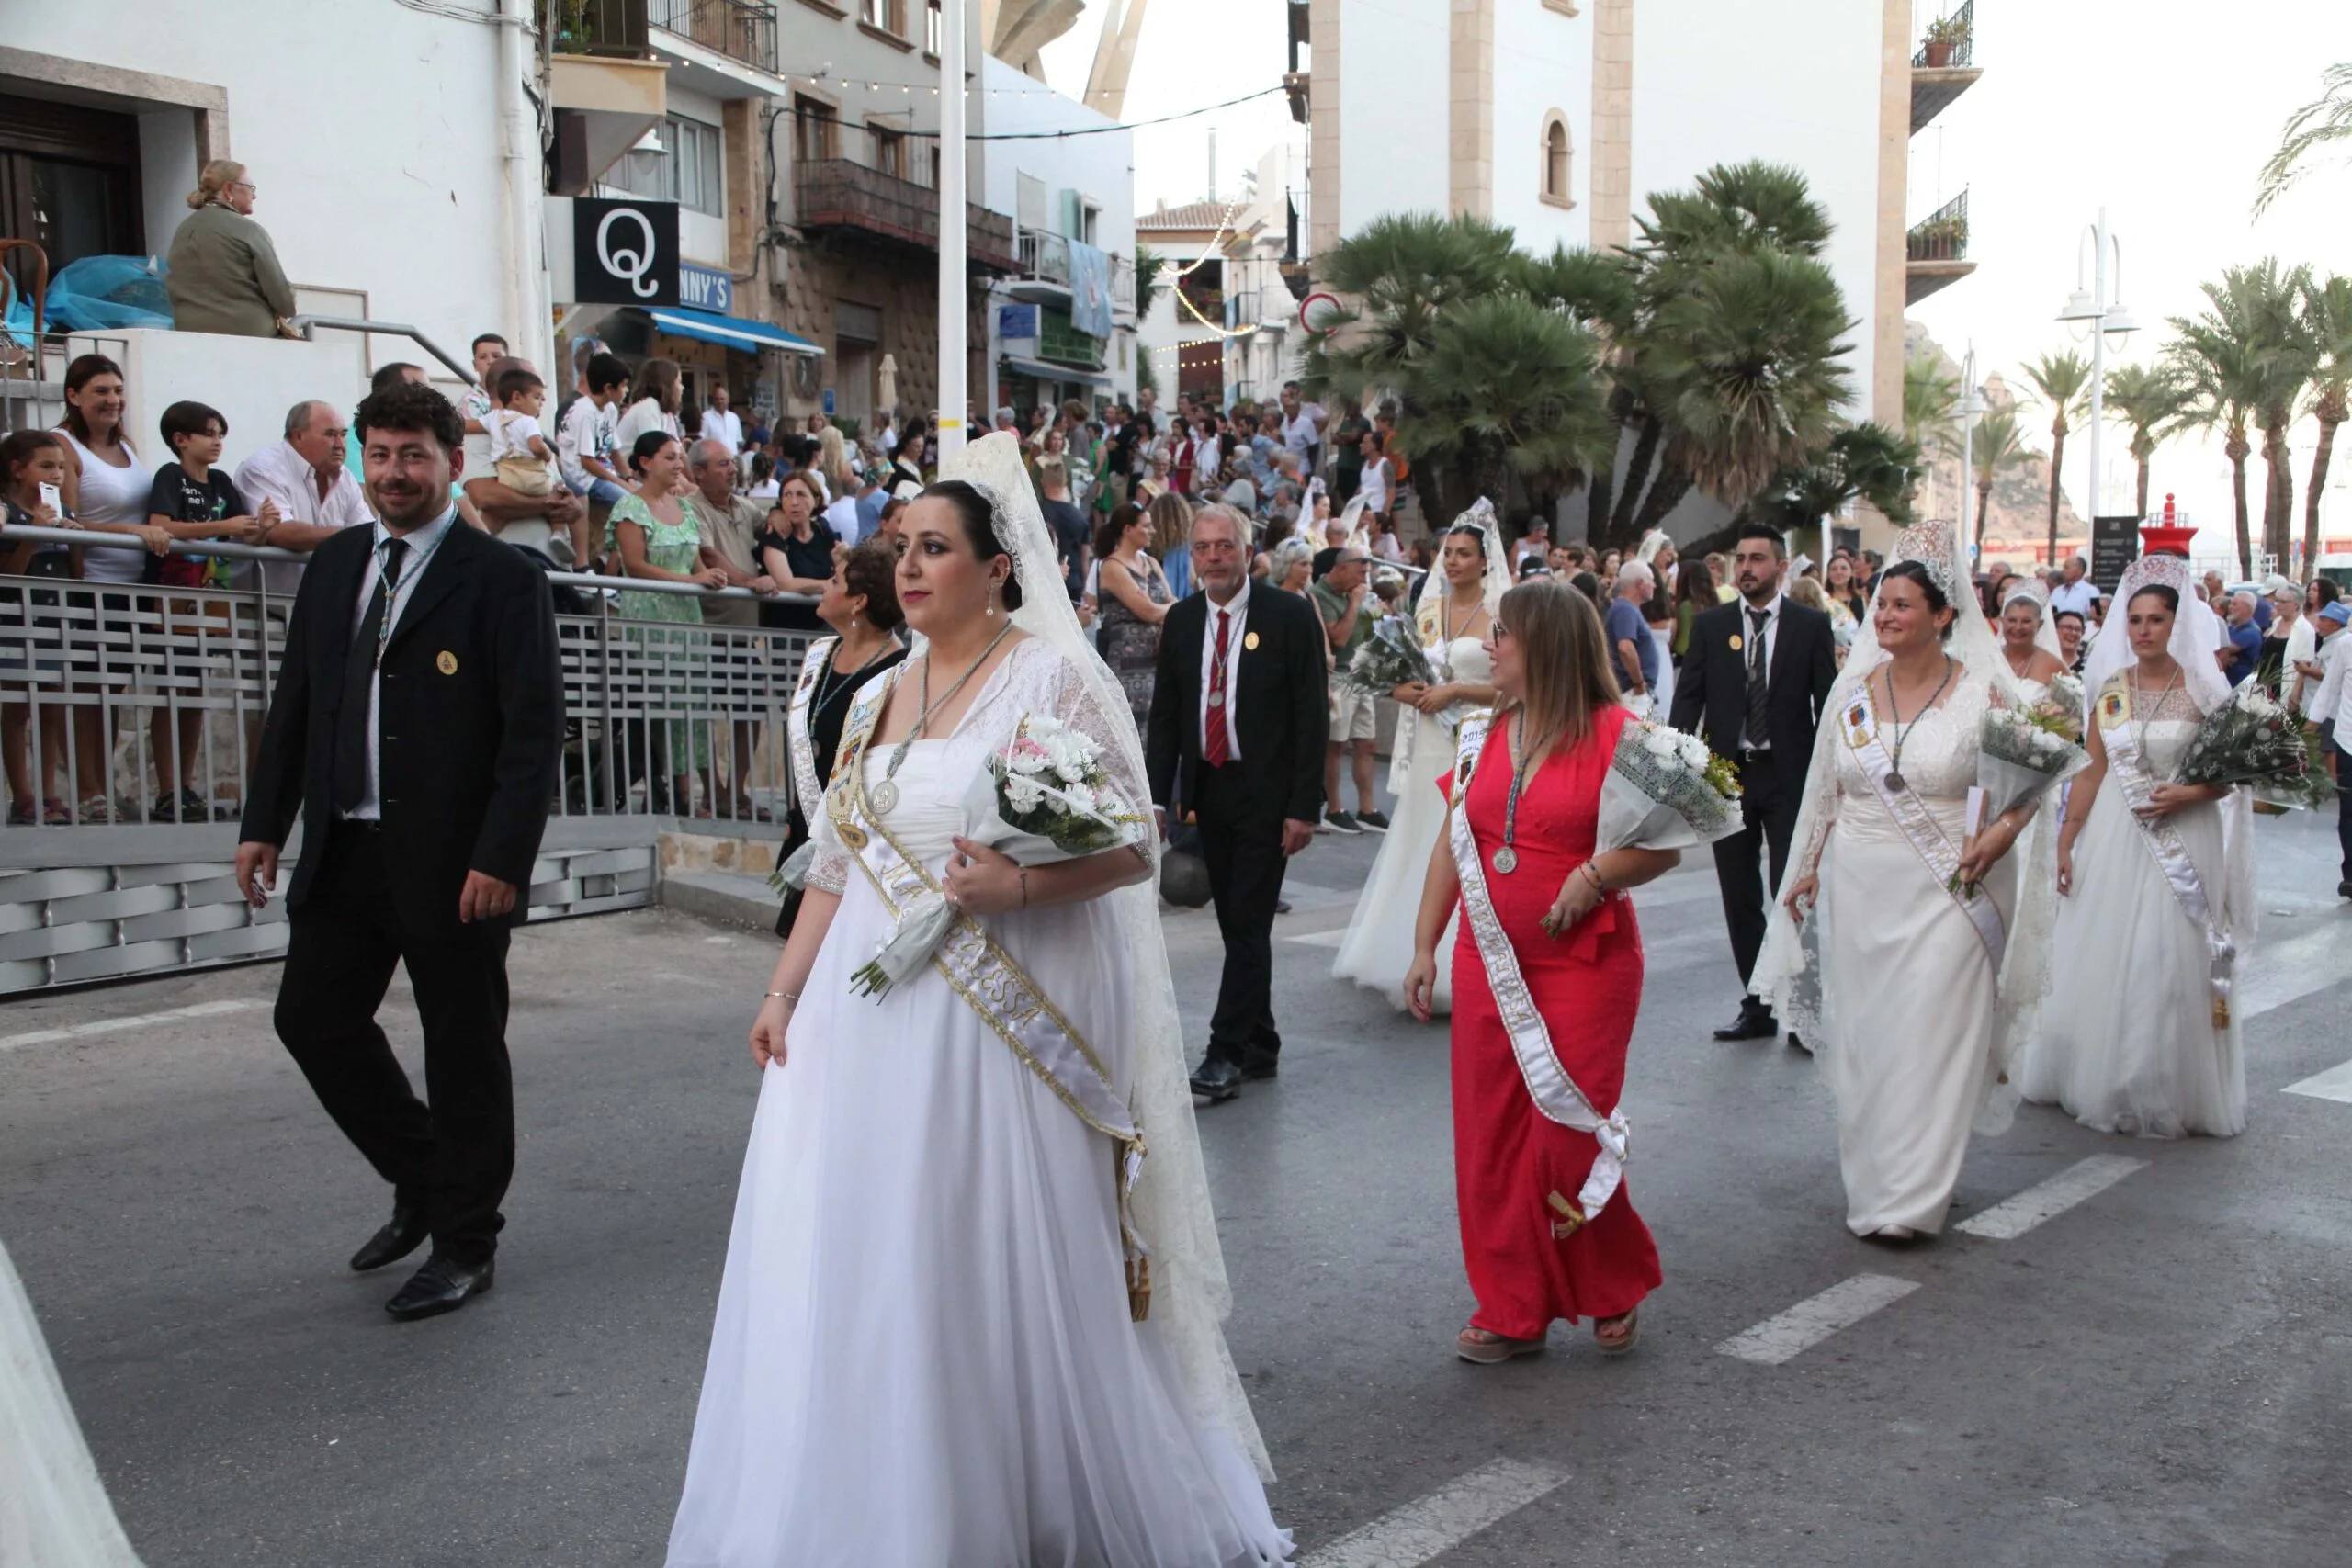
point(1393, 657)
point(1045, 797)
point(1665, 791)
point(2022, 752)
point(2252, 741)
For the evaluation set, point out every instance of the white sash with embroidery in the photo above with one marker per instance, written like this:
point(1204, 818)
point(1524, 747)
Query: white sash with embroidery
point(2165, 843)
point(800, 745)
point(1548, 1083)
point(981, 972)
point(1936, 851)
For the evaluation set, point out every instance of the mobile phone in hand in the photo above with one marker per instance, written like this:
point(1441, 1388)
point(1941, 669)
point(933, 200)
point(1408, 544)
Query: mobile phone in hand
point(53, 498)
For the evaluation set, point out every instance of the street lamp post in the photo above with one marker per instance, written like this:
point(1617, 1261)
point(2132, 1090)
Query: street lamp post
point(954, 290)
point(2109, 320)
point(1972, 407)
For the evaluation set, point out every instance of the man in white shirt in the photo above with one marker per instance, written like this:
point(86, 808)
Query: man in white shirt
point(841, 515)
point(316, 495)
point(721, 424)
point(1302, 428)
point(2328, 710)
point(2074, 590)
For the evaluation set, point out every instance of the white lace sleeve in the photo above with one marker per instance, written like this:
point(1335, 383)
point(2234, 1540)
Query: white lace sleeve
point(829, 871)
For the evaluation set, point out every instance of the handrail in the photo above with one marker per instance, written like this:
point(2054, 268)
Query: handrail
point(304, 324)
point(592, 582)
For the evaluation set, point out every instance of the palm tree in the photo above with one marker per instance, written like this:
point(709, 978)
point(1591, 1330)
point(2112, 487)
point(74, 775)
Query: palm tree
point(1400, 271)
point(2151, 402)
point(2325, 121)
point(1149, 280)
point(1929, 396)
point(1509, 389)
point(1998, 445)
point(1865, 462)
point(2328, 319)
point(2064, 382)
point(2221, 372)
point(2259, 358)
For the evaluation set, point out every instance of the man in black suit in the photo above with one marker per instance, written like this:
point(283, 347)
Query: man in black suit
point(1238, 714)
point(415, 727)
point(1753, 685)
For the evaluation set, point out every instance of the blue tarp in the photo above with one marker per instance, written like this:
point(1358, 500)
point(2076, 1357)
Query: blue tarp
point(1089, 289)
point(97, 294)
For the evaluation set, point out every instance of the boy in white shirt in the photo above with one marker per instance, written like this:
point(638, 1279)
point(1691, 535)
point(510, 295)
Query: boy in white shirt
point(583, 447)
point(517, 449)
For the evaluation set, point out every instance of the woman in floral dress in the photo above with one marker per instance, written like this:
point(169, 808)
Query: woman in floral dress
point(657, 541)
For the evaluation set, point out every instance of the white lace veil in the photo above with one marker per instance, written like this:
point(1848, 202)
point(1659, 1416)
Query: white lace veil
point(1190, 1296)
point(1494, 558)
point(1788, 970)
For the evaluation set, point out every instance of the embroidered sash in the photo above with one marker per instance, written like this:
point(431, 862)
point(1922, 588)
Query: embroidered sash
point(799, 744)
point(1936, 851)
point(1548, 1083)
point(2163, 840)
point(996, 988)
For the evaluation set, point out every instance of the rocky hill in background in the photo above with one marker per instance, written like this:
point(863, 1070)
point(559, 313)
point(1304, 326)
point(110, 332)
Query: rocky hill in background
point(2018, 521)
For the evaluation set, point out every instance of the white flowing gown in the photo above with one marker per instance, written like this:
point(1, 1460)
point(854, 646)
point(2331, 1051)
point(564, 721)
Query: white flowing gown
point(52, 1508)
point(1913, 1010)
point(923, 1356)
point(2127, 1042)
point(1378, 947)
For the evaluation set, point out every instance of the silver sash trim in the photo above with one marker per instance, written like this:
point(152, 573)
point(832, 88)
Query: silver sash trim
point(1548, 1085)
point(2164, 843)
point(799, 745)
point(1926, 835)
point(996, 988)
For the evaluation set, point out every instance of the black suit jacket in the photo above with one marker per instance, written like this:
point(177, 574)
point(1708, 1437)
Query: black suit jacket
point(470, 726)
point(1711, 689)
point(1282, 697)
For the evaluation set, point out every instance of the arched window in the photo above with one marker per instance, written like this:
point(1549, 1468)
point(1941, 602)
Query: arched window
point(1555, 154)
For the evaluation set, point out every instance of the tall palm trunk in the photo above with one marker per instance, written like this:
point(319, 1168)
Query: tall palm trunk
point(2278, 490)
point(1983, 502)
point(2057, 463)
point(2237, 449)
point(2332, 411)
point(1638, 477)
point(2141, 451)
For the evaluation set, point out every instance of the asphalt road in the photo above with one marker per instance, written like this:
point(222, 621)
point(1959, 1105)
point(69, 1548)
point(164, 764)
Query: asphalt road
point(2160, 1373)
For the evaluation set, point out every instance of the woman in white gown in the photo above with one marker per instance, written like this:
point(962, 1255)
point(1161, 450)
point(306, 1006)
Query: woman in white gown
point(951, 1332)
point(1904, 1001)
point(1452, 616)
point(52, 1507)
point(2157, 895)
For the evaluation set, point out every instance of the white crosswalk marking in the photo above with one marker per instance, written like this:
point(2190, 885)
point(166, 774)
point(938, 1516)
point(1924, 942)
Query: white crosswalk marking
point(2047, 1200)
point(117, 1025)
point(1430, 1526)
point(2334, 1084)
point(1815, 1319)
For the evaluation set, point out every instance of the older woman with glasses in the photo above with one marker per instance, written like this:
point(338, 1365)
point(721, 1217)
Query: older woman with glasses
point(224, 275)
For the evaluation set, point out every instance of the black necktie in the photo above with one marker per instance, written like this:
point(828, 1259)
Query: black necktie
point(358, 682)
point(1755, 733)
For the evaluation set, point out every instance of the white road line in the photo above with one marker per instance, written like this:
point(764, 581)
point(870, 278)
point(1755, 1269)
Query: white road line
point(1815, 1319)
point(115, 1025)
point(2334, 1084)
point(2046, 1200)
point(1320, 939)
point(2284, 972)
point(1428, 1527)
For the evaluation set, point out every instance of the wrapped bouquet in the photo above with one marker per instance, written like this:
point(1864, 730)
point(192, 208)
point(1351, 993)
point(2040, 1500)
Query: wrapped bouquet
point(1393, 657)
point(1665, 791)
point(2252, 739)
point(2021, 751)
point(1045, 797)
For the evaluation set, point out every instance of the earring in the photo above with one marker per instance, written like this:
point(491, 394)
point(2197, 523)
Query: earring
point(852, 620)
point(992, 593)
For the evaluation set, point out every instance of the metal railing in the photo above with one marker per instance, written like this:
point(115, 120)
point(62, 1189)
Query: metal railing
point(741, 29)
point(141, 704)
point(1044, 255)
point(308, 326)
point(833, 193)
point(1950, 42)
point(1941, 235)
point(614, 27)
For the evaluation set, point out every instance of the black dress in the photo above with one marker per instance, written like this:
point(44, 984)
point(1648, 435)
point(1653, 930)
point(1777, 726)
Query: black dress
point(828, 707)
point(812, 556)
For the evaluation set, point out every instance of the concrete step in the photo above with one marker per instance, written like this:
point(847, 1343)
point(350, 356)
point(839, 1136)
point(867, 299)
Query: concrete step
point(723, 897)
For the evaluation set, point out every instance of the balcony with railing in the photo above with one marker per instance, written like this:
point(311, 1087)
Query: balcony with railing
point(1043, 277)
point(839, 195)
point(1945, 66)
point(615, 28)
point(743, 31)
point(1937, 251)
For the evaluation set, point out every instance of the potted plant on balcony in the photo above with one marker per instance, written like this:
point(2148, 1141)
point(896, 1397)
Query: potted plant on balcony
point(1941, 238)
point(1946, 37)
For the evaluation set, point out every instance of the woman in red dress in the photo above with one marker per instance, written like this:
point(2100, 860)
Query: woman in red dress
point(1534, 798)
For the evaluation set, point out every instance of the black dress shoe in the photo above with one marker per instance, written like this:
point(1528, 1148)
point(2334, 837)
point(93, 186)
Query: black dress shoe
point(1755, 1023)
point(1218, 1080)
point(402, 1234)
point(443, 1284)
point(1265, 1069)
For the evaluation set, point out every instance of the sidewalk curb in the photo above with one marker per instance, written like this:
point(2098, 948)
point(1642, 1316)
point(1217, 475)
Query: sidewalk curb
point(723, 897)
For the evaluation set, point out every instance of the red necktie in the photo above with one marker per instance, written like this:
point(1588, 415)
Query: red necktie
point(1216, 745)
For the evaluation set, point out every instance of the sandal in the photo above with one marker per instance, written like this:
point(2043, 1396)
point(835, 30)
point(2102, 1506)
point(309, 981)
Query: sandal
point(1488, 1348)
point(1628, 1334)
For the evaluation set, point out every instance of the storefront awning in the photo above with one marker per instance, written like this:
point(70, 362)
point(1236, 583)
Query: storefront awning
point(734, 331)
point(1045, 371)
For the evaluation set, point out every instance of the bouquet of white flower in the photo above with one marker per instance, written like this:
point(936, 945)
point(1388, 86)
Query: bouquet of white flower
point(1665, 791)
point(2252, 741)
point(2022, 752)
point(1045, 797)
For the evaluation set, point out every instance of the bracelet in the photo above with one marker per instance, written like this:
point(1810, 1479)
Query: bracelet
point(788, 995)
point(1599, 886)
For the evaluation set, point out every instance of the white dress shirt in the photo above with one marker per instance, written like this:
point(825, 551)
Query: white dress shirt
point(723, 425)
point(1236, 629)
point(2076, 596)
point(2329, 702)
point(422, 543)
point(279, 473)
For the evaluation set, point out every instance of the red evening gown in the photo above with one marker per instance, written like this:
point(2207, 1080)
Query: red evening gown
point(1527, 1264)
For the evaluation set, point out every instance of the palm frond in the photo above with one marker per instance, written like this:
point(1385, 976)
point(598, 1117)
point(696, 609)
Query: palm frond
point(2318, 125)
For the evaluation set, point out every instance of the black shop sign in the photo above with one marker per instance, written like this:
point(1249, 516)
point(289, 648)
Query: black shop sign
point(624, 250)
point(2115, 545)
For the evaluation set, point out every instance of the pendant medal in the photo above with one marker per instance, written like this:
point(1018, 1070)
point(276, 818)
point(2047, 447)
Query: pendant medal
point(1895, 781)
point(883, 797)
point(1506, 859)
